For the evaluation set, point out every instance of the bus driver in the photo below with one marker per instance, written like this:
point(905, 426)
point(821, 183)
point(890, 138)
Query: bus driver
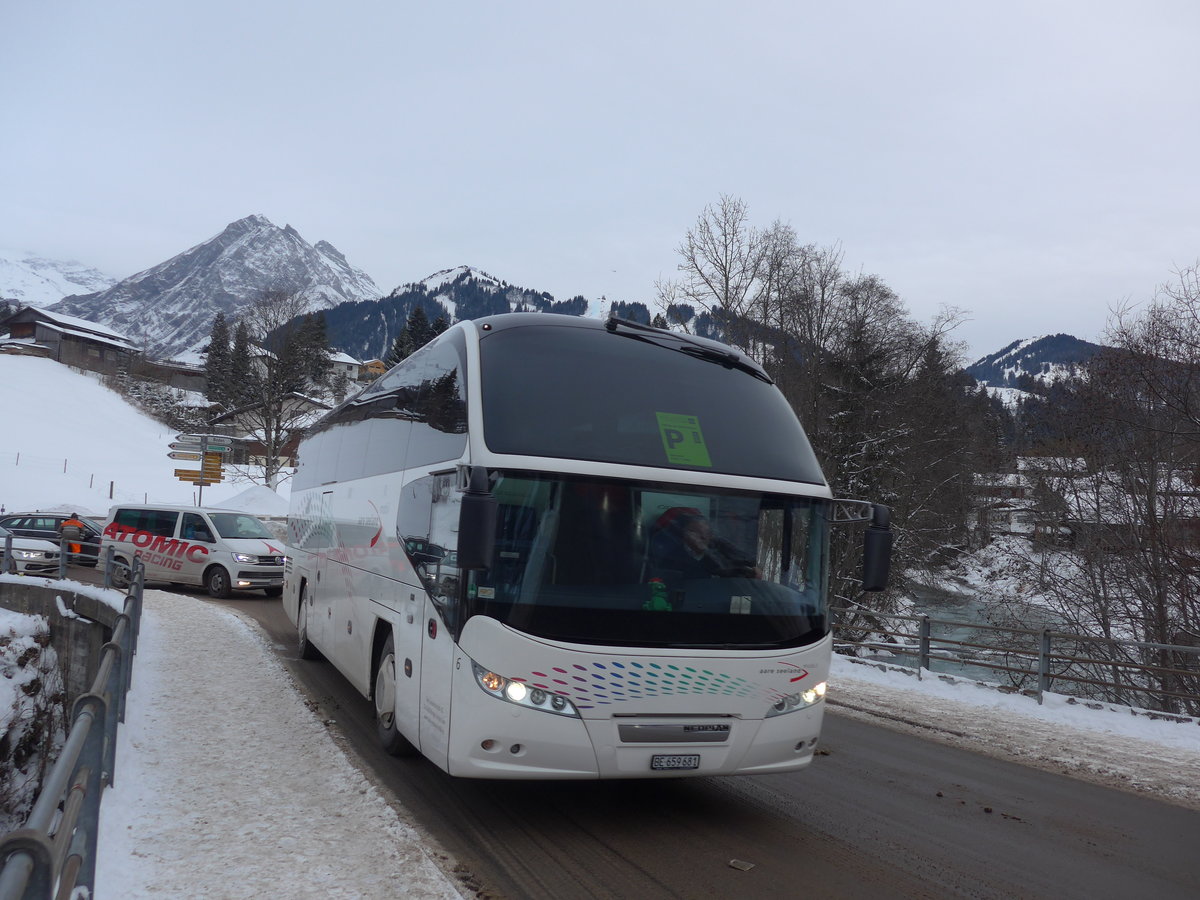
point(684, 548)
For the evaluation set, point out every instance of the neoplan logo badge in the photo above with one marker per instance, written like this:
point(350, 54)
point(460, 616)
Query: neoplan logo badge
point(683, 440)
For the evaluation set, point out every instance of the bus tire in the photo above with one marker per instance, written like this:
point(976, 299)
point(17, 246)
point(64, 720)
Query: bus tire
point(216, 580)
point(305, 647)
point(393, 742)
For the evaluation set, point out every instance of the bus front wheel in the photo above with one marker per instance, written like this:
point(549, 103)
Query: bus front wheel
point(392, 740)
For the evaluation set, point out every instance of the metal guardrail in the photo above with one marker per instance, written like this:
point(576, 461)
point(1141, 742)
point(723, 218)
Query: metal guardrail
point(1159, 677)
point(55, 853)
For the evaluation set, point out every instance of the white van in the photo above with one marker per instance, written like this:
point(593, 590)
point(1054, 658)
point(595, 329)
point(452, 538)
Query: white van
point(222, 550)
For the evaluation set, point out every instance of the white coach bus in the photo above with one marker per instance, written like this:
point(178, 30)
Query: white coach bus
point(555, 547)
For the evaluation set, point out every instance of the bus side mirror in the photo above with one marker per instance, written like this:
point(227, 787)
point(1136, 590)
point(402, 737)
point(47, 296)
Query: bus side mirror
point(477, 523)
point(877, 549)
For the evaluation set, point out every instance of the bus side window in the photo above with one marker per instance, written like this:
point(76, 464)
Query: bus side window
point(438, 408)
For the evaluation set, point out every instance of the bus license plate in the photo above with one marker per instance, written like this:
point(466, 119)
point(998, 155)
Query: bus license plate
point(684, 761)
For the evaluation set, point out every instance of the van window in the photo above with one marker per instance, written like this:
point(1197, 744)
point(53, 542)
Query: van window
point(195, 529)
point(159, 522)
point(239, 526)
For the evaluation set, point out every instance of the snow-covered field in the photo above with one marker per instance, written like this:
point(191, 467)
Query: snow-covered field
point(68, 443)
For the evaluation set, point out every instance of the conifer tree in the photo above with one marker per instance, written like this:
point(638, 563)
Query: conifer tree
point(239, 366)
point(420, 332)
point(416, 333)
point(400, 349)
point(218, 362)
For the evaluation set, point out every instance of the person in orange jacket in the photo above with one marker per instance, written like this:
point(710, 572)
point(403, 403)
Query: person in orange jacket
point(71, 529)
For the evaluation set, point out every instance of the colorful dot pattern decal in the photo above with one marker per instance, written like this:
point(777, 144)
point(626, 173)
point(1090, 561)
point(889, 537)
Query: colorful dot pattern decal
point(602, 683)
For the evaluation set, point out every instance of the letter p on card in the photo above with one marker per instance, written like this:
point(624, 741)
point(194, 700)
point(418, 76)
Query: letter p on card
point(682, 440)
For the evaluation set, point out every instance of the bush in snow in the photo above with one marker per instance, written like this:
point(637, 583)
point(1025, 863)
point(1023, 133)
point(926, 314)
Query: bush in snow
point(33, 713)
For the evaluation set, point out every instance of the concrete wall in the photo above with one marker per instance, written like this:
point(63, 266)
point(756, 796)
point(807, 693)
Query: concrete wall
point(77, 642)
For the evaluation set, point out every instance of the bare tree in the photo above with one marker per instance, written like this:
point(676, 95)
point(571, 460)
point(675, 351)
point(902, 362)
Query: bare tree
point(288, 376)
point(1124, 476)
point(875, 390)
point(721, 260)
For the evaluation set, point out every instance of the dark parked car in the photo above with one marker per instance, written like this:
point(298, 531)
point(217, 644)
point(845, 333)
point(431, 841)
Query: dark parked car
point(48, 527)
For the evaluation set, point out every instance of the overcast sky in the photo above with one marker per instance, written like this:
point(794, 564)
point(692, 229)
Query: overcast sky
point(1032, 162)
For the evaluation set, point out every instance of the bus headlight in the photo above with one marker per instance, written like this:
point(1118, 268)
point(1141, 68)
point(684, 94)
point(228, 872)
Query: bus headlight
point(521, 694)
point(801, 700)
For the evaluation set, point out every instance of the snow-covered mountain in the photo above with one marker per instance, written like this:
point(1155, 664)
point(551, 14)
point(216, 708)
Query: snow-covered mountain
point(366, 330)
point(1045, 359)
point(170, 308)
point(32, 280)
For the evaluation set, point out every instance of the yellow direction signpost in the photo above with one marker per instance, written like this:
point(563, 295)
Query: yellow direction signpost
point(206, 449)
point(212, 468)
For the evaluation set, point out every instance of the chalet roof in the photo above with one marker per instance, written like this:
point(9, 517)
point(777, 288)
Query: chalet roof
point(116, 341)
point(74, 322)
point(1106, 500)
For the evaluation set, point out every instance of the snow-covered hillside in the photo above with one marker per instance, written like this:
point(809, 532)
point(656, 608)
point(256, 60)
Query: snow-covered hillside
point(69, 443)
point(1046, 359)
point(32, 280)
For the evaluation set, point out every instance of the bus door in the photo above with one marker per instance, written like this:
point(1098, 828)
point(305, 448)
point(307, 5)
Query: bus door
point(428, 523)
point(322, 591)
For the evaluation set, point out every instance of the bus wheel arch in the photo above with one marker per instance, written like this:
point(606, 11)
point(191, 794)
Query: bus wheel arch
point(383, 694)
point(305, 646)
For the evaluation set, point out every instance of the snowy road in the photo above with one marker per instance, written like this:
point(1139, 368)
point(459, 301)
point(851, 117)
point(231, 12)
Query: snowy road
point(886, 811)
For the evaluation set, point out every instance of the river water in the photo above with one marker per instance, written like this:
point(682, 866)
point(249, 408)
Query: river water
point(958, 615)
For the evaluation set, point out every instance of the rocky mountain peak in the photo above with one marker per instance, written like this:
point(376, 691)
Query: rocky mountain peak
point(170, 307)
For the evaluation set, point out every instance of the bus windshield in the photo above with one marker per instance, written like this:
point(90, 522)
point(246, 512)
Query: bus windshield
point(634, 402)
point(631, 564)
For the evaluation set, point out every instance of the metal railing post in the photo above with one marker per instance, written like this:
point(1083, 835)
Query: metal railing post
point(27, 871)
point(10, 564)
point(923, 646)
point(1043, 672)
point(108, 565)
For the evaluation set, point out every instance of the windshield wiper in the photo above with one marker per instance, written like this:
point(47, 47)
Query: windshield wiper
point(671, 340)
point(726, 358)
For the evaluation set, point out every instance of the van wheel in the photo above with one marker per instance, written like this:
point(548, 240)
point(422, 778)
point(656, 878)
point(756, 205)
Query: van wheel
point(385, 704)
point(120, 573)
point(216, 580)
point(273, 591)
point(306, 649)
